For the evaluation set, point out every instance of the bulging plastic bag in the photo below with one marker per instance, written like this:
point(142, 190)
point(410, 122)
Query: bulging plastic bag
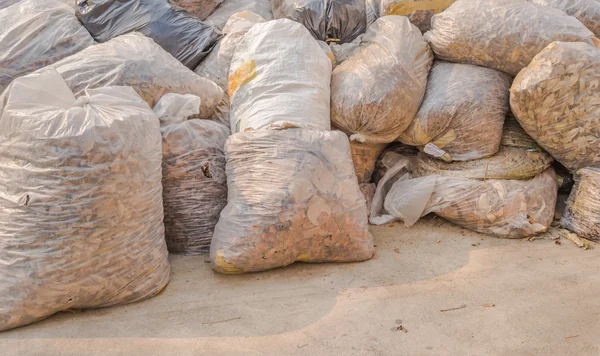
point(182, 35)
point(194, 183)
point(199, 8)
point(364, 156)
point(327, 20)
point(557, 101)
point(135, 60)
point(586, 11)
point(582, 213)
point(80, 199)
point(35, 34)
point(462, 104)
point(227, 8)
point(292, 196)
point(279, 77)
point(500, 34)
point(376, 92)
point(419, 12)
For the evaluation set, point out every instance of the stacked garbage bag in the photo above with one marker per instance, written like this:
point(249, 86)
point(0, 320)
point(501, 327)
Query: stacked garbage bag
point(228, 8)
point(419, 12)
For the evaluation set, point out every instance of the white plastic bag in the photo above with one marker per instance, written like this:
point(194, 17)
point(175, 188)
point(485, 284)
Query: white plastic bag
point(462, 104)
point(586, 11)
point(35, 34)
point(376, 92)
point(176, 108)
point(500, 34)
point(222, 14)
point(135, 60)
point(80, 199)
point(279, 77)
point(292, 196)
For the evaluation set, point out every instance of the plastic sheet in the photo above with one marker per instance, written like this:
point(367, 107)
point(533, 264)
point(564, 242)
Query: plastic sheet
point(327, 20)
point(500, 34)
point(135, 60)
point(80, 200)
point(292, 196)
point(279, 77)
point(199, 8)
point(376, 92)
point(419, 12)
point(222, 14)
point(182, 35)
point(582, 213)
point(557, 101)
point(586, 11)
point(462, 104)
point(35, 34)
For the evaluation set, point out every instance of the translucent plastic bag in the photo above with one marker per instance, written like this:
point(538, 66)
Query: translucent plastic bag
point(557, 101)
point(500, 34)
point(419, 12)
point(35, 34)
point(586, 11)
point(182, 35)
point(292, 196)
point(199, 8)
point(80, 199)
point(582, 213)
point(222, 14)
point(462, 104)
point(327, 20)
point(364, 156)
point(390, 156)
point(376, 92)
point(135, 60)
point(279, 77)
point(513, 135)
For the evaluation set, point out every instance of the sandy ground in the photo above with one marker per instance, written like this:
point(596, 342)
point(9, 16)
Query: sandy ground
point(507, 298)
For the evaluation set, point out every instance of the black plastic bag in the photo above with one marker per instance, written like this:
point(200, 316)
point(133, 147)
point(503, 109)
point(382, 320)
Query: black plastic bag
point(327, 20)
point(182, 35)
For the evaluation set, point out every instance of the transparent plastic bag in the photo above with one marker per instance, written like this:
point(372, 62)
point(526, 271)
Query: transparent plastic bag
point(376, 92)
point(184, 36)
point(135, 60)
point(80, 199)
point(35, 34)
point(279, 77)
point(199, 8)
point(586, 11)
point(582, 213)
point(292, 196)
point(227, 8)
point(500, 34)
point(419, 12)
point(327, 20)
point(462, 104)
point(557, 101)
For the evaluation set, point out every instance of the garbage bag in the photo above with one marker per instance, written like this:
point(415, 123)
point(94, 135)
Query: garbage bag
point(557, 101)
point(80, 199)
point(292, 196)
point(505, 208)
point(586, 11)
point(364, 156)
point(135, 60)
point(513, 135)
point(463, 103)
point(194, 183)
point(582, 213)
point(376, 92)
point(327, 20)
point(35, 34)
point(279, 77)
point(199, 8)
point(390, 156)
point(341, 52)
point(419, 12)
point(368, 191)
point(182, 35)
point(500, 34)
point(227, 8)
point(6, 3)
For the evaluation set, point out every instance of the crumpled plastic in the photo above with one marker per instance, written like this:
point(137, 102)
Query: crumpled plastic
point(586, 11)
point(500, 34)
point(292, 196)
point(327, 20)
point(279, 77)
point(557, 101)
point(222, 14)
point(582, 213)
point(376, 92)
point(80, 199)
point(135, 60)
point(462, 104)
point(35, 34)
point(184, 36)
point(419, 12)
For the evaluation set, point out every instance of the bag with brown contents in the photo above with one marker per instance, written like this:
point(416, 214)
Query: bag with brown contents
point(582, 213)
point(419, 12)
point(292, 196)
point(80, 199)
point(586, 11)
point(199, 8)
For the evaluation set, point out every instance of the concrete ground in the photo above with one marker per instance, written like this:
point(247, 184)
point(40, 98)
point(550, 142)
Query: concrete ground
point(452, 292)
